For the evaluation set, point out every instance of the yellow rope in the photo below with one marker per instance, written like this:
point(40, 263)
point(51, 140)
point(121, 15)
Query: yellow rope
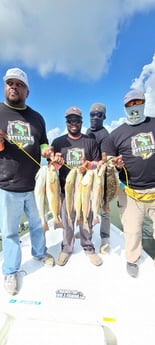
point(125, 171)
point(126, 176)
point(22, 149)
point(67, 166)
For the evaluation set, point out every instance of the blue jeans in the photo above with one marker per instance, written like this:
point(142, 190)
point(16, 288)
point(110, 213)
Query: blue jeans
point(12, 206)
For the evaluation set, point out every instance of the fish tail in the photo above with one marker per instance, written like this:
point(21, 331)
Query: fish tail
point(96, 221)
point(58, 224)
point(79, 221)
point(86, 226)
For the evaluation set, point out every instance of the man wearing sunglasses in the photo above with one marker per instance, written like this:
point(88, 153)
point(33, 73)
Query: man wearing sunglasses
point(135, 141)
point(75, 147)
point(100, 134)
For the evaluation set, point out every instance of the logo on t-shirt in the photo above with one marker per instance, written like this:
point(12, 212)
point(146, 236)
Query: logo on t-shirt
point(20, 132)
point(143, 145)
point(75, 157)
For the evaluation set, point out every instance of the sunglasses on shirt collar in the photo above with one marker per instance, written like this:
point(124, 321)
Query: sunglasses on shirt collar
point(96, 114)
point(134, 101)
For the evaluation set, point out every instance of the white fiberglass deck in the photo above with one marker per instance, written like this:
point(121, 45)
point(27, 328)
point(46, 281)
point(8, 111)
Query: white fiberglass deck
point(111, 298)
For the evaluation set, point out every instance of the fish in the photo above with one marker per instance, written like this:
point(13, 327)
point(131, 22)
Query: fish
point(69, 193)
point(40, 194)
point(78, 198)
point(98, 192)
point(86, 189)
point(53, 193)
point(111, 186)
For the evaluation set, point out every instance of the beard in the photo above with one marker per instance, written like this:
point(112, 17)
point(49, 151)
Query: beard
point(75, 132)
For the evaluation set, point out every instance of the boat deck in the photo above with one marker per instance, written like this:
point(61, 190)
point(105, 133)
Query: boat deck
point(100, 301)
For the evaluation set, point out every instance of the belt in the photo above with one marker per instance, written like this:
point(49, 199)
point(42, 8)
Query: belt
point(141, 197)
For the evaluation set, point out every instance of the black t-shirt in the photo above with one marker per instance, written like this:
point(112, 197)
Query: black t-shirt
point(26, 128)
point(73, 152)
point(100, 135)
point(137, 146)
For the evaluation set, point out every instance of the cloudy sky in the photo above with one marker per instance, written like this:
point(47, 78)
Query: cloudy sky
point(77, 52)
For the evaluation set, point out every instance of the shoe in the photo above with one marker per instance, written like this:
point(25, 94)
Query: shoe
point(95, 259)
point(11, 284)
point(47, 260)
point(62, 259)
point(105, 246)
point(132, 269)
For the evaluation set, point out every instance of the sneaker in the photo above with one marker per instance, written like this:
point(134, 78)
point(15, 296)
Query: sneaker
point(105, 246)
point(48, 260)
point(62, 259)
point(95, 259)
point(11, 284)
point(132, 269)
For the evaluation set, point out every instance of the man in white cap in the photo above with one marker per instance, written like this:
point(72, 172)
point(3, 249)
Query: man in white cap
point(21, 127)
point(75, 147)
point(100, 134)
point(135, 141)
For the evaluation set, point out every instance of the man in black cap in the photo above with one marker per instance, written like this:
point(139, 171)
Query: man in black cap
point(75, 147)
point(135, 141)
point(100, 134)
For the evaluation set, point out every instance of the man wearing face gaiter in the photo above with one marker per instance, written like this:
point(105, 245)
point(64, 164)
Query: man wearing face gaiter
point(100, 134)
point(135, 141)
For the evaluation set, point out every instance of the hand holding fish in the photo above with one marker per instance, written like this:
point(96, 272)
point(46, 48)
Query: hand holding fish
point(118, 162)
point(47, 152)
point(84, 166)
point(87, 165)
point(2, 136)
point(57, 160)
point(102, 161)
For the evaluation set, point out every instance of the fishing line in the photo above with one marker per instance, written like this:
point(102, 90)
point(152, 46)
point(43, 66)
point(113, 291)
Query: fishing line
point(22, 149)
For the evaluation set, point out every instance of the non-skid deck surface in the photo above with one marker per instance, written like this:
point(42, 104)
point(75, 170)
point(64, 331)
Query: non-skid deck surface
point(106, 298)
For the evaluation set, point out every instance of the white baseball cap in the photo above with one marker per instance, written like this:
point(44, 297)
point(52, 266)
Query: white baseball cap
point(16, 73)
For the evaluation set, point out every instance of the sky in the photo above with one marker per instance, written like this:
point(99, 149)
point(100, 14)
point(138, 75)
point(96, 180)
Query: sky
point(78, 52)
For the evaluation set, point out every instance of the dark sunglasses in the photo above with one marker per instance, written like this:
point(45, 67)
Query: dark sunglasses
point(96, 114)
point(71, 121)
point(134, 101)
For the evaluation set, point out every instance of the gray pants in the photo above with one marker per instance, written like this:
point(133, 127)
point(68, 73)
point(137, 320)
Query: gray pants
point(105, 226)
point(68, 232)
point(132, 215)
